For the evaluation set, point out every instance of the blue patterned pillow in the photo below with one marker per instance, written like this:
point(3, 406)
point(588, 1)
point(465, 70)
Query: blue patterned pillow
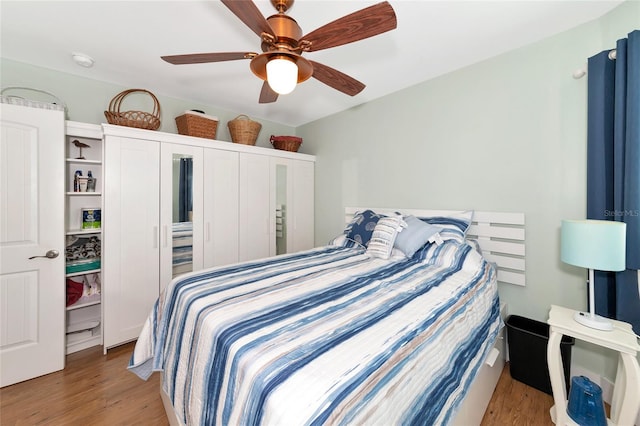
point(454, 227)
point(362, 226)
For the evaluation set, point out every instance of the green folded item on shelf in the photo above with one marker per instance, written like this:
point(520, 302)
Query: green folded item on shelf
point(82, 265)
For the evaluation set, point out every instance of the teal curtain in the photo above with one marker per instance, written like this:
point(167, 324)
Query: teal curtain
point(613, 168)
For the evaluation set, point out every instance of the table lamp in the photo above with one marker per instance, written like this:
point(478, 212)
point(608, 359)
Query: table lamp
point(593, 244)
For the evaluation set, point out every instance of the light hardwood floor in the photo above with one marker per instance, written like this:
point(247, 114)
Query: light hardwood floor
point(98, 390)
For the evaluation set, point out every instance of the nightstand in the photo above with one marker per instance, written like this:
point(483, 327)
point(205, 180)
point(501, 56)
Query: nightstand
point(626, 395)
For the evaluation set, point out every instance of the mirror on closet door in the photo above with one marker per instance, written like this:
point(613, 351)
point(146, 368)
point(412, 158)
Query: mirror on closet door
point(182, 228)
point(281, 209)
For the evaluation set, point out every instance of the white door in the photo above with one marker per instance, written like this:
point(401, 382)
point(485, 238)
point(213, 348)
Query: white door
point(281, 208)
point(220, 207)
point(130, 243)
point(302, 226)
point(32, 291)
point(257, 231)
point(181, 238)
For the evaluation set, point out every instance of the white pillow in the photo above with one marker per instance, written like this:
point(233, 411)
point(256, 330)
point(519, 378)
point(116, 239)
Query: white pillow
point(384, 235)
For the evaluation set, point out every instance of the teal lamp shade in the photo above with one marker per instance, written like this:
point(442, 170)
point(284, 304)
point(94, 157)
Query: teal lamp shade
point(593, 244)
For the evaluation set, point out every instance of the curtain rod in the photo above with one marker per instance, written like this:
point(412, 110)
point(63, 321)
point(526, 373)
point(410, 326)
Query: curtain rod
point(581, 72)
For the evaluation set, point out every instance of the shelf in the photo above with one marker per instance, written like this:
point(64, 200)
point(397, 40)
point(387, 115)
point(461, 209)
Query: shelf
point(72, 193)
point(85, 301)
point(75, 274)
point(84, 231)
point(82, 326)
point(83, 161)
point(84, 343)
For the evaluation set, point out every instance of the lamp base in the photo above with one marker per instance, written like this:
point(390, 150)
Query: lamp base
point(593, 321)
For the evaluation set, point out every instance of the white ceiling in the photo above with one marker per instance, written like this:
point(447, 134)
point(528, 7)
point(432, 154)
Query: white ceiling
point(127, 38)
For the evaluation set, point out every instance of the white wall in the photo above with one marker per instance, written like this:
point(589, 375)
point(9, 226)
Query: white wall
point(506, 134)
point(87, 99)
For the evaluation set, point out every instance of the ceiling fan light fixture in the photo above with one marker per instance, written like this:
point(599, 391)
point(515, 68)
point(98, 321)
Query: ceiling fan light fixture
point(282, 75)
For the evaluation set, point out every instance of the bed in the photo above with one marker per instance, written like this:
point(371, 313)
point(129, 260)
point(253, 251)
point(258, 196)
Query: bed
point(339, 334)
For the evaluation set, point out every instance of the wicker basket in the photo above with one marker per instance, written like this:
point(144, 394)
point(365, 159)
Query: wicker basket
point(244, 130)
point(197, 124)
point(286, 143)
point(138, 119)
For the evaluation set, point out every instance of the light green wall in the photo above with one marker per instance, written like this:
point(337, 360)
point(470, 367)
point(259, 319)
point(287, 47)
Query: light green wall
point(87, 99)
point(506, 134)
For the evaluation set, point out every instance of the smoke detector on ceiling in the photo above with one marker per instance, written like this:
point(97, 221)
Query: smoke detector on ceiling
point(82, 59)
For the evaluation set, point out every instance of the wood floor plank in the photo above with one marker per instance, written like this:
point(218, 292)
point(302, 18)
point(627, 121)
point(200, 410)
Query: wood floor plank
point(514, 403)
point(95, 389)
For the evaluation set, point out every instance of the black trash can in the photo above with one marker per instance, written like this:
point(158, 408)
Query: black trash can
point(528, 340)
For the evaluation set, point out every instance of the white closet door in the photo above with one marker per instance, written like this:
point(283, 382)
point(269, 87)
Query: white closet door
point(282, 203)
point(176, 247)
point(302, 224)
point(130, 236)
point(221, 211)
point(256, 229)
point(32, 291)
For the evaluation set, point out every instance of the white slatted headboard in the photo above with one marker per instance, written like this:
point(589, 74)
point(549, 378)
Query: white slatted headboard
point(500, 236)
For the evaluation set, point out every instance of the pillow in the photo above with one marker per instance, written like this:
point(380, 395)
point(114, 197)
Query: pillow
point(475, 244)
point(384, 235)
point(342, 241)
point(362, 226)
point(416, 235)
point(454, 227)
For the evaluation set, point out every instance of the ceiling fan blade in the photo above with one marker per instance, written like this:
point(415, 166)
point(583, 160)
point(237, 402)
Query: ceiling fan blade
point(336, 79)
point(203, 58)
point(249, 13)
point(267, 95)
point(359, 25)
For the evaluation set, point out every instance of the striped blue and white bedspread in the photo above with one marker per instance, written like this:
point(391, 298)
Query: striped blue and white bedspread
point(326, 336)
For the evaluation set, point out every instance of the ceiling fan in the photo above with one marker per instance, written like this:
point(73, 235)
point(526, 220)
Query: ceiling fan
point(281, 64)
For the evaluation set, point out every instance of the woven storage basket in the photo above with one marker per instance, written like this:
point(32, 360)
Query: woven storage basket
point(138, 119)
point(193, 123)
point(286, 143)
point(244, 130)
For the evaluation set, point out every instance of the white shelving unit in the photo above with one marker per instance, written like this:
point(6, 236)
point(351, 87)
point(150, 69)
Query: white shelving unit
point(84, 318)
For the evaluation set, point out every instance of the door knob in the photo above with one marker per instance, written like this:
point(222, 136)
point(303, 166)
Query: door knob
point(51, 254)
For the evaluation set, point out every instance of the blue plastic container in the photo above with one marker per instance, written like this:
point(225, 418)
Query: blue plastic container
point(585, 403)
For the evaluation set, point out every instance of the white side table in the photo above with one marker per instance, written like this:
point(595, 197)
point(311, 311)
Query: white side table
point(626, 395)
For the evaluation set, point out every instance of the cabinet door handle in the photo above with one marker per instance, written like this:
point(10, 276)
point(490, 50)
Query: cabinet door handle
point(51, 254)
point(155, 237)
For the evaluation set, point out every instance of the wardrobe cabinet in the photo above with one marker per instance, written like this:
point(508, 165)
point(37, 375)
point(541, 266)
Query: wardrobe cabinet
point(291, 204)
point(175, 204)
point(131, 246)
point(276, 205)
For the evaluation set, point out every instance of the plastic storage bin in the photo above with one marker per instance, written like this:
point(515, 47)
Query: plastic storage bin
point(528, 340)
